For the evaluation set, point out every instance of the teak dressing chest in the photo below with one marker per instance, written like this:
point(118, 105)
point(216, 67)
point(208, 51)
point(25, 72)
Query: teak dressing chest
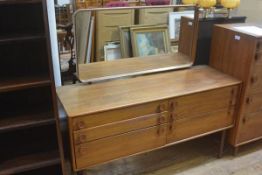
point(120, 118)
point(239, 54)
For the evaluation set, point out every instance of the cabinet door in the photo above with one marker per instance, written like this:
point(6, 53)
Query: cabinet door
point(192, 127)
point(111, 148)
point(203, 103)
point(251, 127)
point(154, 15)
point(111, 129)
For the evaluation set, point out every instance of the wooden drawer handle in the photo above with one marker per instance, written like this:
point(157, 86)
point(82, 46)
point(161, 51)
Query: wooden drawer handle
point(161, 108)
point(81, 138)
point(161, 119)
point(160, 130)
point(253, 80)
point(171, 120)
point(257, 57)
point(81, 125)
point(249, 100)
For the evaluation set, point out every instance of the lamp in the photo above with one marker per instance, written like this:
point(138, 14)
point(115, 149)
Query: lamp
point(230, 4)
point(206, 5)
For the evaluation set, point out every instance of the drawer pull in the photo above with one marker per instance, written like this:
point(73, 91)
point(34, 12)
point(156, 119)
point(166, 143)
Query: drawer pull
point(161, 108)
point(160, 130)
point(248, 100)
point(257, 57)
point(161, 119)
point(81, 125)
point(253, 80)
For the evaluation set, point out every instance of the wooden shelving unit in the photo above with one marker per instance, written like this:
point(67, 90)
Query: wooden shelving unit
point(28, 115)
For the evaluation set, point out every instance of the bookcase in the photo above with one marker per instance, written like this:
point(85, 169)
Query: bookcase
point(28, 111)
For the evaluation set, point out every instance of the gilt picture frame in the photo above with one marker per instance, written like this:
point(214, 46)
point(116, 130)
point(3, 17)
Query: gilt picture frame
point(125, 42)
point(150, 40)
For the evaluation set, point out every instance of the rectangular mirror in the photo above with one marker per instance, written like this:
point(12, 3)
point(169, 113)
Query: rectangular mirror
point(128, 41)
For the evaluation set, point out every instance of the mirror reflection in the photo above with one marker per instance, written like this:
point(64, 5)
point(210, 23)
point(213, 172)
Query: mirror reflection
point(112, 34)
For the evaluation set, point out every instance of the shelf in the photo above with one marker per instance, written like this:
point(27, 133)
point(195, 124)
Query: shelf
point(25, 121)
point(29, 162)
point(23, 82)
point(21, 37)
point(15, 2)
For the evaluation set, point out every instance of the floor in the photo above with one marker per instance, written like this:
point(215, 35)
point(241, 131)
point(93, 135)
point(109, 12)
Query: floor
point(196, 157)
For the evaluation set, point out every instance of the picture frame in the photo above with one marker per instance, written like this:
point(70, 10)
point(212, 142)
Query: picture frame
point(125, 42)
point(150, 40)
point(112, 51)
point(174, 22)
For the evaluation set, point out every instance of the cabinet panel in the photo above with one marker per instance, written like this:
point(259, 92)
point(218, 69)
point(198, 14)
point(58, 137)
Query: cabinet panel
point(154, 15)
point(251, 127)
point(120, 127)
point(190, 127)
point(111, 148)
point(119, 115)
point(202, 103)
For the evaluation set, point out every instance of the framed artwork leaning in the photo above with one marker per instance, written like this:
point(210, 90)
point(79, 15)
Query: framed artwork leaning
point(174, 23)
point(150, 40)
point(125, 42)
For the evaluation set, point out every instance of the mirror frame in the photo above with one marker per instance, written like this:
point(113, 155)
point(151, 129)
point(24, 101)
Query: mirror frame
point(172, 67)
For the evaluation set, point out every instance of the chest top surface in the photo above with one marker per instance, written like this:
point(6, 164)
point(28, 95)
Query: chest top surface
point(82, 99)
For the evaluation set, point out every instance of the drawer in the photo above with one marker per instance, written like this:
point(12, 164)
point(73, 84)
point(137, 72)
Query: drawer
point(115, 18)
point(251, 127)
point(154, 15)
point(187, 128)
point(115, 147)
point(255, 80)
point(202, 103)
point(111, 129)
point(121, 114)
point(254, 103)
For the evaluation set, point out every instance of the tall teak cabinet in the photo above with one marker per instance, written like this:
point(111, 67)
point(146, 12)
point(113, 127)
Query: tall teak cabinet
point(28, 117)
point(239, 53)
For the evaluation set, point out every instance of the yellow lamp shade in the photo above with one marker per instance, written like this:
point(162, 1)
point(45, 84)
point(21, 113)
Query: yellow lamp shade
point(190, 1)
point(207, 3)
point(230, 4)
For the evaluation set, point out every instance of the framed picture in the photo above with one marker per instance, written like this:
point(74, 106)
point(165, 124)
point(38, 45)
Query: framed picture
point(112, 51)
point(174, 23)
point(150, 40)
point(125, 41)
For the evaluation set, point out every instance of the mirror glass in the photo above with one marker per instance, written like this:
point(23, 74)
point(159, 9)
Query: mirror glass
point(115, 42)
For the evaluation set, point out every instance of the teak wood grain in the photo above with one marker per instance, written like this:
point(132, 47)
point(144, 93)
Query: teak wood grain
point(193, 126)
point(124, 117)
point(114, 147)
point(80, 100)
point(204, 102)
point(238, 54)
point(115, 128)
point(132, 66)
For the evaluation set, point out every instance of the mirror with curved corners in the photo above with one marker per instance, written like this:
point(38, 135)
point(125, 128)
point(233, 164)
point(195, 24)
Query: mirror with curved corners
point(131, 41)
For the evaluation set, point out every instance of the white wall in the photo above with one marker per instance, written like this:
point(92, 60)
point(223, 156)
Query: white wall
point(61, 2)
point(53, 39)
point(252, 9)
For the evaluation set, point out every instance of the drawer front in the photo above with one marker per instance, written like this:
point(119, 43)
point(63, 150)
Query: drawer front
point(251, 127)
point(191, 127)
point(107, 117)
point(111, 148)
point(203, 103)
point(255, 81)
point(254, 103)
point(115, 18)
point(86, 135)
